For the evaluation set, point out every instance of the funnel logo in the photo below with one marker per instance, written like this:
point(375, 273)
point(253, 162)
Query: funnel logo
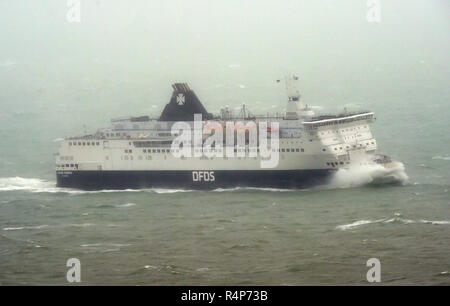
point(180, 99)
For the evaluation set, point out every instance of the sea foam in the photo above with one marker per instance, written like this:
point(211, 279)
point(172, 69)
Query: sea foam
point(395, 219)
point(441, 157)
point(42, 186)
point(367, 174)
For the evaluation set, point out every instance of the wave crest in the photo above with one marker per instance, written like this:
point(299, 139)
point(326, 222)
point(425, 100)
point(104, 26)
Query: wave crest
point(369, 174)
point(43, 186)
point(441, 157)
point(396, 219)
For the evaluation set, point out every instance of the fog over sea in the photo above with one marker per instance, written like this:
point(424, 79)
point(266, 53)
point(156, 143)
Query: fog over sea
point(60, 79)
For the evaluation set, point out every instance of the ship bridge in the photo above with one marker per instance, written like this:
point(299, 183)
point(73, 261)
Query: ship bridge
point(339, 119)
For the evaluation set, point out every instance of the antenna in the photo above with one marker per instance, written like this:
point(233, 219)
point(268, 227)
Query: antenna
point(293, 96)
point(294, 108)
point(291, 88)
point(244, 112)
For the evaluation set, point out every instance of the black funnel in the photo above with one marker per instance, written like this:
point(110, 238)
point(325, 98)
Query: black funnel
point(183, 105)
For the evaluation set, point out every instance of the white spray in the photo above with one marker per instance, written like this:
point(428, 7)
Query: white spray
point(365, 173)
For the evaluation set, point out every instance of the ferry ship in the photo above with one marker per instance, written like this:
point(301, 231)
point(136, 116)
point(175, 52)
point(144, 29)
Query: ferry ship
point(142, 152)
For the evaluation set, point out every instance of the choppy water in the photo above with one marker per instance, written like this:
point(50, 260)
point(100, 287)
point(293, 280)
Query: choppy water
point(50, 88)
point(226, 236)
point(241, 236)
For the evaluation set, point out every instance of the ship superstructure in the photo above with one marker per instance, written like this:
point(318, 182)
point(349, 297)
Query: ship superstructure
point(139, 152)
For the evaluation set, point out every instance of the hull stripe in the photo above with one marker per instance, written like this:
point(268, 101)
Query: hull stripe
point(195, 179)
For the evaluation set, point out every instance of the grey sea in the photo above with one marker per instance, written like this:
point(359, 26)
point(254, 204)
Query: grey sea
point(60, 78)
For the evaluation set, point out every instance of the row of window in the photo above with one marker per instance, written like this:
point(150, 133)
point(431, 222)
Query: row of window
point(343, 130)
point(214, 150)
point(67, 166)
point(149, 157)
point(137, 144)
point(129, 151)
point(160, 150)
point(84, 143)
point(291, 150)
point(342, 121)
point(151, 143)
point(114, 134)
point(335, 164)
point(348, 147)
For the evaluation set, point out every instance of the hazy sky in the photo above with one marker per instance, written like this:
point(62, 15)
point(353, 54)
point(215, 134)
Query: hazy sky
point(57, 77)
point(136, 48)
